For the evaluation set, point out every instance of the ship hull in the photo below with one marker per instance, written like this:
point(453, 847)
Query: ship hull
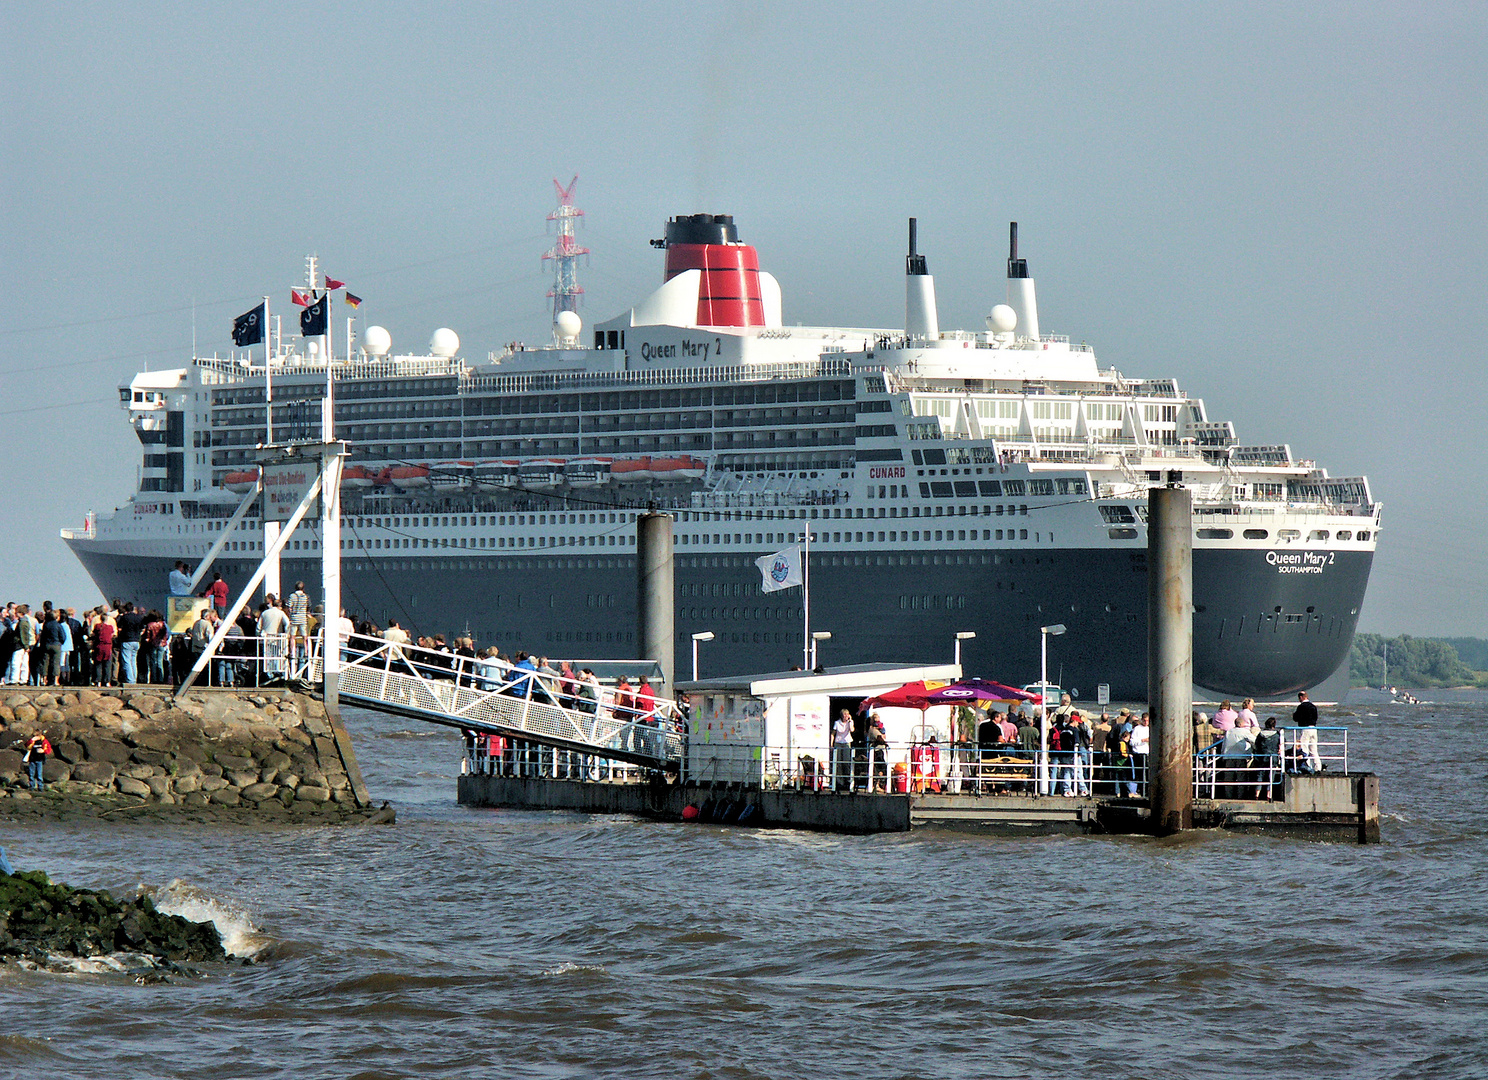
point(1259, 630)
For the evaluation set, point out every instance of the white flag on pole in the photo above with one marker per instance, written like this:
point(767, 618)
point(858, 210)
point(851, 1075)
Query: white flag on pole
point(781, 570)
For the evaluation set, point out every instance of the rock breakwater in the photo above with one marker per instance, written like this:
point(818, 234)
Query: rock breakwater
point(41, 921)
point(211, 754)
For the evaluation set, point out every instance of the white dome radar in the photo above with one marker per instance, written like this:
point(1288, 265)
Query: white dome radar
point(568, 325)
point(1002, 320)
point(377, 341)
point(445, 342)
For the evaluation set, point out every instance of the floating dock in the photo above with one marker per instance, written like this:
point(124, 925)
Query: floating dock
point(1337, 807)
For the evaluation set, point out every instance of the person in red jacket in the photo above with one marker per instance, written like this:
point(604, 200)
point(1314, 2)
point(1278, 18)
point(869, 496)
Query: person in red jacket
point(37, 751)
point(218, 592)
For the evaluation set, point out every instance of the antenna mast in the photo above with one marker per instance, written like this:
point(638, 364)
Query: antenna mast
point(565, 254)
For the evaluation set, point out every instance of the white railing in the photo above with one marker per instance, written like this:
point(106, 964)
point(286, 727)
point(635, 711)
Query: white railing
point(488, 695)
point(1243, 772)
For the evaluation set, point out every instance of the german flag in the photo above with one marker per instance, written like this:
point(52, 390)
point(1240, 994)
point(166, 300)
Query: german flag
point(353, 301)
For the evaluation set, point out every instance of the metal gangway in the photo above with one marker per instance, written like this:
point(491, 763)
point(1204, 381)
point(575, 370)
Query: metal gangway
point(491, 697)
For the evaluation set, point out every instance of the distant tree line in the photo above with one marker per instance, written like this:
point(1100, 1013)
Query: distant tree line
point(1417, 661)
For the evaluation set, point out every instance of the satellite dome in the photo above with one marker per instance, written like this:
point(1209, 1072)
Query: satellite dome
point(445, 342)
point(1003, 319)
point(568, 324)
point(377, 341)
point(313, 348)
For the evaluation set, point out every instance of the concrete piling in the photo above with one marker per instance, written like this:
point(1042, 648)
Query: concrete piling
point(656, 594)
point(1170, 657)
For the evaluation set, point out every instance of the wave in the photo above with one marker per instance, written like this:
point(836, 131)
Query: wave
point(239, 936)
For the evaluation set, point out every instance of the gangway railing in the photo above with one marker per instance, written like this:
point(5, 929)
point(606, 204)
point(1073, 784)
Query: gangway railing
point(488, 696)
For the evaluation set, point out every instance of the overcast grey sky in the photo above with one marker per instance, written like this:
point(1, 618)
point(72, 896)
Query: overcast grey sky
point(1280, 205)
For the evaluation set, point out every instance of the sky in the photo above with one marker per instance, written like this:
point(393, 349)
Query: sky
point(1280, 205)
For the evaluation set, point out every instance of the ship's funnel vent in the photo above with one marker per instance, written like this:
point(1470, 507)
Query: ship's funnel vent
point(1021, 296)
point(914, 264)
point(920, 318)
point(1017, 268)
point(729, 293)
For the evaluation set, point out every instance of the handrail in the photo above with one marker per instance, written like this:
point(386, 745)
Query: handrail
point(489, 696)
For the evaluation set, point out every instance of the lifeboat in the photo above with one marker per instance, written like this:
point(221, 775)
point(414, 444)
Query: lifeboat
point(587, 472)
point(409, 477)
point(495, 475)
point(677, 468)
point(449, 476)
point(540, 474)
point(628, 469)
point(357, 478)
point(241, 483)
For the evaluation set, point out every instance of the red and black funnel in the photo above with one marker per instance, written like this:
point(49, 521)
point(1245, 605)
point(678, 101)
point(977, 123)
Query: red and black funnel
point(730, 291)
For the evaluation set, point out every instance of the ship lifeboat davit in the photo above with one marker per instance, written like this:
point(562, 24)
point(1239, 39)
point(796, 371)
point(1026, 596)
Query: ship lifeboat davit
point(628, 469)
point(357, 478)
point(241, 483)
point(587, 472)
point(677, 468)
point(409, 477)
point(450, 476)
point(540, 474)
point(495, 475)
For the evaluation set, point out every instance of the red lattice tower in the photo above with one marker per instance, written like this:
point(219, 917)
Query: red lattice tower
point(565, 252)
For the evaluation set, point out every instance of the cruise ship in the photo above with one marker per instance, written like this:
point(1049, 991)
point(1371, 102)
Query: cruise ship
point(990, 480)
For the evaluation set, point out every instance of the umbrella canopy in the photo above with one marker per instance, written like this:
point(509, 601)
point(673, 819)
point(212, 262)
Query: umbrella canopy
point(922, 695)
point(977, 690)
point(909, 696)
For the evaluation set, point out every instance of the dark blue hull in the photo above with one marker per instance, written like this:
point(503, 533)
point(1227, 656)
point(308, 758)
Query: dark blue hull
point(1257, 630)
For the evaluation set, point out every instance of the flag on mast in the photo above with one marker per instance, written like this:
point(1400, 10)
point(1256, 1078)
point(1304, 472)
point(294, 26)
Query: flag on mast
point(248, 328)
point(332, 284)
point(303, 299)
point(353, 301)
point(315, 318)
point(781, 570)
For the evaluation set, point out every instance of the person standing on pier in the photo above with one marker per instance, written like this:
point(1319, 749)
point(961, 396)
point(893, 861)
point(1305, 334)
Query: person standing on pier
point(219, 593)
point(1306, 718)
point(842, 733)
point(297, 607)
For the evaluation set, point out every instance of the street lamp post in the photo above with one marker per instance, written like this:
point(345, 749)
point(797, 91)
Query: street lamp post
point(706, 635)
point(962, 635)
point(1045, 633)
point(816, 637)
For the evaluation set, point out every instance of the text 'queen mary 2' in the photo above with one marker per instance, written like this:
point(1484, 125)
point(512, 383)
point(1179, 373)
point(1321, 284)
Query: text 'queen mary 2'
point(991, 480)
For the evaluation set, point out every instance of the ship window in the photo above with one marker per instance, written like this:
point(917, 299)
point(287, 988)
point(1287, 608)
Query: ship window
point(990, 488)
point(1216, 534)
point(1318, 534)
point(1022, 534)
point(1118, 515)
point(941, 489)
point(1345, 534)
point(1255, 534)
point(1364, 534)
point(1288, 534)
point(1122, 534)
point(966, 488)
point(1041, 487)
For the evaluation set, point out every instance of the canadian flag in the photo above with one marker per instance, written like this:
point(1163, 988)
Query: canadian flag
point(300, 298)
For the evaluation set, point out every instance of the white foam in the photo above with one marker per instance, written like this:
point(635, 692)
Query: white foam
point(239, 936)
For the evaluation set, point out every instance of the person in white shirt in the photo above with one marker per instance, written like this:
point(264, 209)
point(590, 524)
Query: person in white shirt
point(842, 732)
point(273, 624)
point(1140, 735)
point(395, 633)
point(1247, 714)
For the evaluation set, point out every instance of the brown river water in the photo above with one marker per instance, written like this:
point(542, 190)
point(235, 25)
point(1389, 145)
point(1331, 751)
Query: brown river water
point(498, 943)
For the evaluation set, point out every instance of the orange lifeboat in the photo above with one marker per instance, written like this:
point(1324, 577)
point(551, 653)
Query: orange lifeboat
point(409, 477)
point(241, 483)
point(628, 469)
point(357, 478)
point(677, 468)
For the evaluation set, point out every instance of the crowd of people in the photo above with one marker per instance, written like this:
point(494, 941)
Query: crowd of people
point(121, 643)
point(1088, 754)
